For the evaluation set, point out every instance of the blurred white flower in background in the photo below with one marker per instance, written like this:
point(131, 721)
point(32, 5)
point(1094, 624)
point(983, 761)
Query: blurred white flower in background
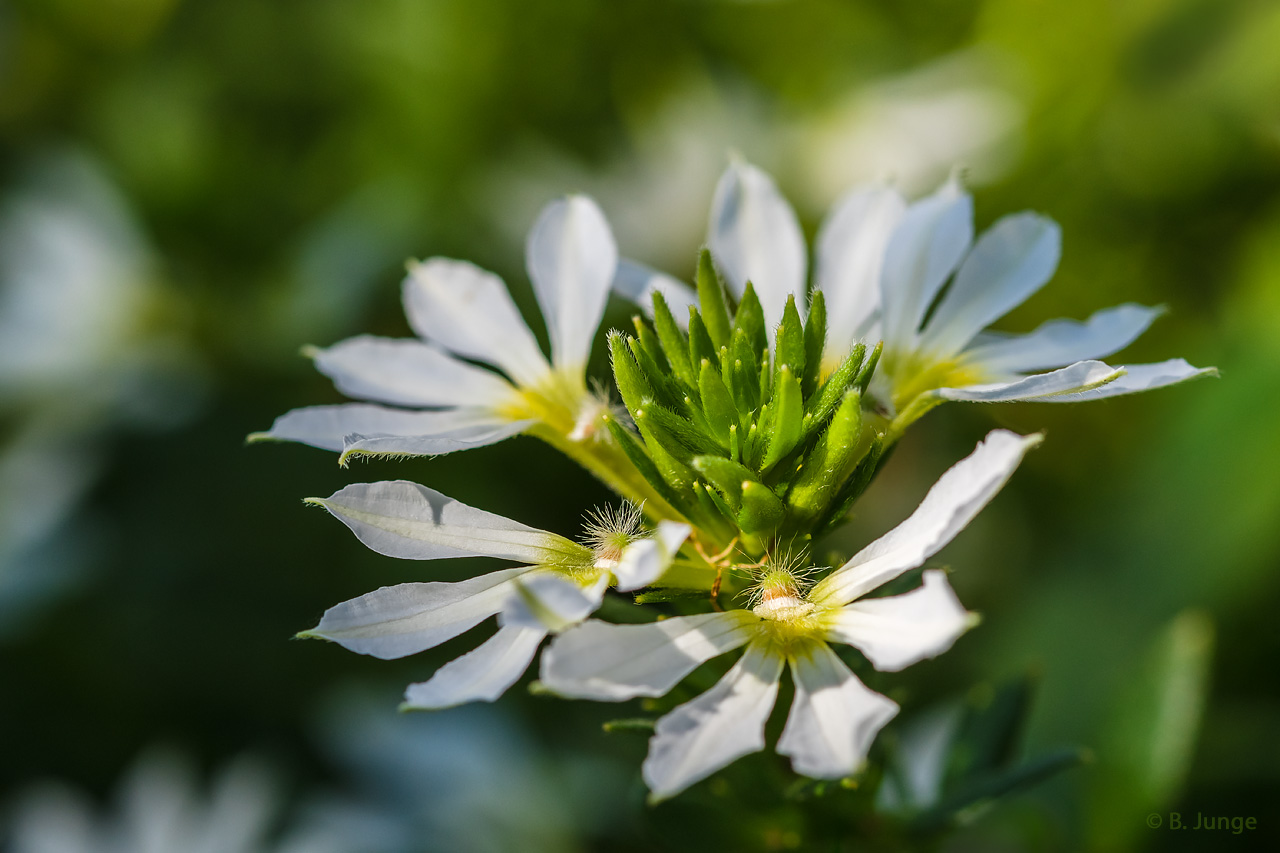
point(912, 128)
point(82, 351)
point(466, 780)
point(161, 808)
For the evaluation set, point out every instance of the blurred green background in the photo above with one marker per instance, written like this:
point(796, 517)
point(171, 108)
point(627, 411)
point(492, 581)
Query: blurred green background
point(190, 191)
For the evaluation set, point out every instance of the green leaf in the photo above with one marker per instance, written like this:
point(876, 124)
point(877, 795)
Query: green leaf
point(788, 417)
point(717, 404)
point(815, 339)
point(715, 313)
point(661, 594)
point(750, 319)
point(959, 807)
point(674, 343)
point(991, 731)
point(1149, 740)
point(644, 725)
point(789, 345)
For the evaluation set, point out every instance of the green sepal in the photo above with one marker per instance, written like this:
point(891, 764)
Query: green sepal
point(761, 512)
point(869, 368)
point(715, 312)
point(815, 339)
point(717, 404)
point(650, 343)
point(742, 376)
point(786, 428)
point(750, 318)
point(693, 408)
point(677, 435)
point(788, 348)
point(674, 343)
point(825, 401)
point(757, 439)
point(722, 505)
point(765, 378)
point(664, 387)
point(700, 345)
point(853, 488)
point(635, 451)
point(726, 476)
point(831, 461)
point(631, 383)
point(669, 462)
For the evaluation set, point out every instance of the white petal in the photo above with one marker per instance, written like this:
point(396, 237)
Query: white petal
point(1011, 261)
point(464, 437)
point(958, 496)
point(1041, 387)
point(326, 427)
point(612, 663)
point(643, 562)
point(481, 675)
point(469, 311)
point(408, 373)
point(571, 258)
point(900, 630)
point(405, 619)
point(721, 725)
point(850, 255)
point(933, 236)
point(834, 717)
point(550, 601)
point(637, 283)
point(754, 236)
point(406, 520)
point(1140, 377)
point(1060, 342)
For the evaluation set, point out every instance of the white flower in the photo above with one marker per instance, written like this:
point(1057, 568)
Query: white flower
point(560, 584)
point(881, 263)
point(461, 313)
point(162, 810)
point(834, 717)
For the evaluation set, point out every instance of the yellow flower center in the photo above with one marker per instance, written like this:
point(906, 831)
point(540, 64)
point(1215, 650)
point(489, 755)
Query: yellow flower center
point(911, 374)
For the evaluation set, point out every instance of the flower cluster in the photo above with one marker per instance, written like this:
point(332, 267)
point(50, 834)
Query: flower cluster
point(757, 412)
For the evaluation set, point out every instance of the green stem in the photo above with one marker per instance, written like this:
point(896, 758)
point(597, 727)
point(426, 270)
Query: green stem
point(612, 467)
